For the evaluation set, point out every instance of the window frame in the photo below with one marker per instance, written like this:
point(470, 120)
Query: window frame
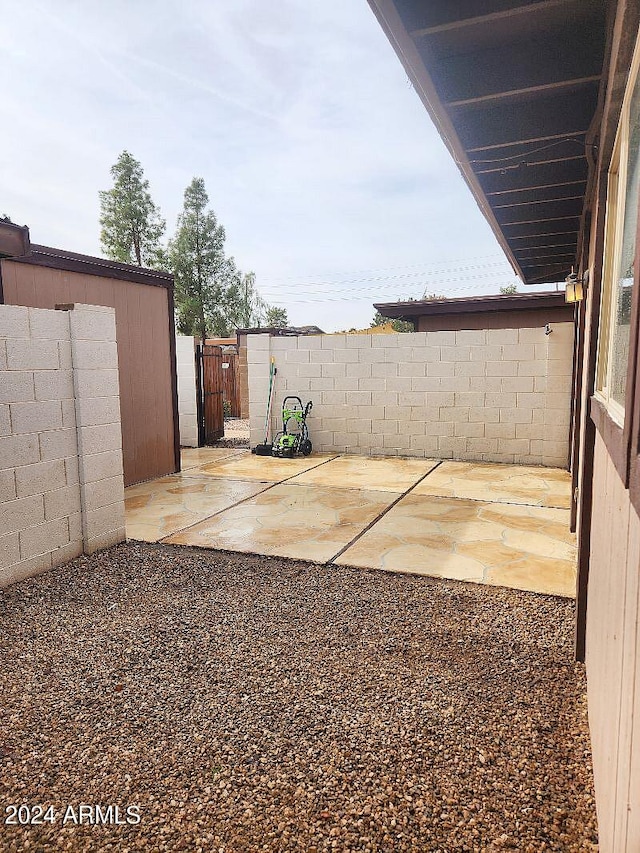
point(618, 426)
point(614, 234)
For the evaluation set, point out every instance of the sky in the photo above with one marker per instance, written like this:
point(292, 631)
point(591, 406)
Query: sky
point(318, 156)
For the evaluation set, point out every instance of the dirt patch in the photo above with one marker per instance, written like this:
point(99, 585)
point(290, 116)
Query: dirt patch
point(256, 704)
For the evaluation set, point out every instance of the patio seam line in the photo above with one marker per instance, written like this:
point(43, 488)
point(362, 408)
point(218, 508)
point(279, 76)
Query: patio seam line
point(245, 480)
point(489, 501)
point(219, 459)
point(381, 515)
point(241, 501)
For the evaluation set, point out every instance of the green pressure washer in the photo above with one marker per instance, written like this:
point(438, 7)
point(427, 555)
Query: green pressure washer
point(294, 436)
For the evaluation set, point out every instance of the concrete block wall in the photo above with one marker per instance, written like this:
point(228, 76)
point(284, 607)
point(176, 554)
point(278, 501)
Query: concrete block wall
point(495, 395)
point(187, 404)
point(243, 376)
point(61, 482)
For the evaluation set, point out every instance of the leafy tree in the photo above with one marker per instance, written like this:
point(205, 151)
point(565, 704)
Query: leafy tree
point(131, 225)
point(397, 325)
point(276, 317)
point(509, 288)
point(245, 308)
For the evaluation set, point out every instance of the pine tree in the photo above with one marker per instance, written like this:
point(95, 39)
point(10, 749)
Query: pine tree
point(131, 225)
point(199, 265)
point(276, 317)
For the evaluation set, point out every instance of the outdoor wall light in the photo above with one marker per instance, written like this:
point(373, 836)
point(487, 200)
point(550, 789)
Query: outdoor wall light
point(575, 287)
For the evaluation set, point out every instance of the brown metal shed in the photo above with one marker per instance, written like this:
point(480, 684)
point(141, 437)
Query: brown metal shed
point(143, 302)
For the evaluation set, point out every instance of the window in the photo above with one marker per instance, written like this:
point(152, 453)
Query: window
point(620, 249)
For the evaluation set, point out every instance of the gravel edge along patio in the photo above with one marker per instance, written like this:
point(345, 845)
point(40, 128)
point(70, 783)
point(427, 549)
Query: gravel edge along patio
point(250, 703)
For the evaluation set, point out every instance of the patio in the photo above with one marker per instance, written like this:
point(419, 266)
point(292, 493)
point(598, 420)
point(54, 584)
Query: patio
point(504, 525)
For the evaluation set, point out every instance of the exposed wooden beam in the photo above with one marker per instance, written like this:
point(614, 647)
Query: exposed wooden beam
point(552, 116)
point(533, 256)
point(543, 279)
point(513, 94)
point(536, 187)
point(546, 219)
point(548, 265)
point(538, 201)
point(490, 18)
point(546, 234)
point(549, 246)
point(534, 139)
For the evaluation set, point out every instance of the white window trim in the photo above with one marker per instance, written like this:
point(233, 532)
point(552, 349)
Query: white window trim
point(614, 228)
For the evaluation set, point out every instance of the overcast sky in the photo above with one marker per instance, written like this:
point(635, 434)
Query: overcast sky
point(318, 156)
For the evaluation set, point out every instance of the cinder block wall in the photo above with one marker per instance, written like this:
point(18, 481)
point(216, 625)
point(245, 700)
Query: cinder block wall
point(61, 481)
point(187, 406)
point(498, 395)
point(243, 376)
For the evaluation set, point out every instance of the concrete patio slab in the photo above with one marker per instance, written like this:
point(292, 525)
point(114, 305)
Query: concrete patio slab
point(164, 506)
point(505, 525)
point(305, 522)
point(518, 484)
point(247, 466)
point(193, 457)
point(383, 474)
point(519, 546)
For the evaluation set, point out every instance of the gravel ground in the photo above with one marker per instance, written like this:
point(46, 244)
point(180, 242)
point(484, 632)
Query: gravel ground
point(254, 704)
point(236, 433)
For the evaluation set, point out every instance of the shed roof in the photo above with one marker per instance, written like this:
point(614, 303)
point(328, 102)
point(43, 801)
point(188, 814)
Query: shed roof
point(512, 87)
point(470, 305)
point(46, 256)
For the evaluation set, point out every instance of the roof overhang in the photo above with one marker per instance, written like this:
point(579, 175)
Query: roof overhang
point(512, 87)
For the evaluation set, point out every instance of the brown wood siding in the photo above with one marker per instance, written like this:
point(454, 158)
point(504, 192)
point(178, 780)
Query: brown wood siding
point(494, 319)
point(144, 354)
point(613, 657)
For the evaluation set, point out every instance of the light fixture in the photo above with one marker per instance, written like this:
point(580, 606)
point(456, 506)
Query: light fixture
point(575, 286)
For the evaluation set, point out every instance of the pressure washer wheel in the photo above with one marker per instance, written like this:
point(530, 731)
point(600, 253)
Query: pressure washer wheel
point(306, 447)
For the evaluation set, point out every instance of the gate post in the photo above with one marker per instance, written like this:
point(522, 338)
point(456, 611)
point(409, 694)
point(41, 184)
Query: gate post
point(199, 394)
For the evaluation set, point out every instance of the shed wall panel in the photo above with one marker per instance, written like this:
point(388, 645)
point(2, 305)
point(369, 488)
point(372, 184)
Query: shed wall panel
point(144, 354)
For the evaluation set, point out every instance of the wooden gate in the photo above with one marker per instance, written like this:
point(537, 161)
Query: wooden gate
point(212, 393)
point(230, 384)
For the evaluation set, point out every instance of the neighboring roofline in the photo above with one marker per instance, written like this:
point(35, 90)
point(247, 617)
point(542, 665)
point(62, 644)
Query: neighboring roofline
point(275, 331)
point(14, 239)
point(46, 256)
point(472, 304)
point(407, 52)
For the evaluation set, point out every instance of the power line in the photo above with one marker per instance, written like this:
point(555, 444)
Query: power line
point(455, 261)
point(434, 267)
point(423, 283)
point(370, 299)
point(432, 274)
